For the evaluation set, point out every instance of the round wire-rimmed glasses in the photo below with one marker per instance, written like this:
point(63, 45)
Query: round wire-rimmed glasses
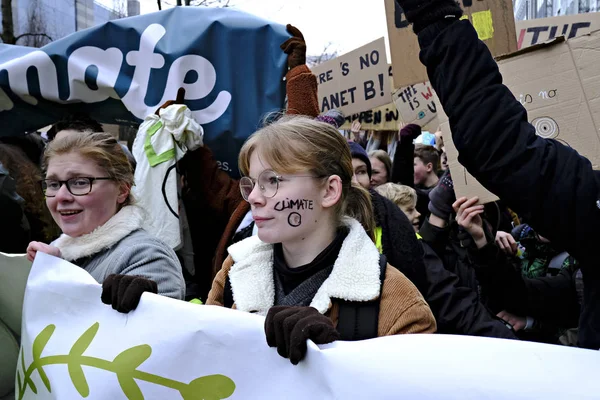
point(268, 183)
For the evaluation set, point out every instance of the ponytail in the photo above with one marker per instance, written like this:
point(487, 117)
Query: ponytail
point(358, 206)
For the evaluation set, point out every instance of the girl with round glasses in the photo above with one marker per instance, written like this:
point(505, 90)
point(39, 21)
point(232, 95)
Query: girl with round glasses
point(87, 185)
point(314, 249)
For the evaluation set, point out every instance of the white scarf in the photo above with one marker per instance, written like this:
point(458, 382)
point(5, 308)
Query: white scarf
point(127, 220)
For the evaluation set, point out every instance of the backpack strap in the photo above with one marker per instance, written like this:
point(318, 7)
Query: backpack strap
point(227, 294)
point(359, 320)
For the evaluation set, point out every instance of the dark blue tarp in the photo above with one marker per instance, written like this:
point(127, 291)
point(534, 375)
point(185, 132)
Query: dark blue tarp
point(229, 61)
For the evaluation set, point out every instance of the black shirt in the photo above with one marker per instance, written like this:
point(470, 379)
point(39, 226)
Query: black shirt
point(292, 277)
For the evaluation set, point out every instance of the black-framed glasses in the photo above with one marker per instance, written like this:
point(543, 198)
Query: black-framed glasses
point(79, 186)
point(268, 183)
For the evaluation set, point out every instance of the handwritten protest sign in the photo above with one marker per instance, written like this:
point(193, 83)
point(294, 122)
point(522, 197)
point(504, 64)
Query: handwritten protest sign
point(559, 86)
point(355, 82)
point(493, 20)
point(74, 346)
point(534, 31)
point(416, 104)
point(383, 118)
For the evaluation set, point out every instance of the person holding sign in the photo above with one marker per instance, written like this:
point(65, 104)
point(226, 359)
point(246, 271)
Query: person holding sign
point(553, 187)
point(87, 187)
point(314, 254)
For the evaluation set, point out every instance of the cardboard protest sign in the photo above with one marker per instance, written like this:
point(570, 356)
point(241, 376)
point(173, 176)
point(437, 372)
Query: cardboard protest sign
point(540, 30)
point(493, 20)
point(415, 103)
point(74, 346)
point(464, 183)
point(558, 83)
point(356, 81)
point(228, 61)
point(382, 118)
point(585, 51)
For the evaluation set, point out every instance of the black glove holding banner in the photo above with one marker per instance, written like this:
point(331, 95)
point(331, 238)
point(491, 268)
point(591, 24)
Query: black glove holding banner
point(123, 292)
point(422, 13)
point(288, 328)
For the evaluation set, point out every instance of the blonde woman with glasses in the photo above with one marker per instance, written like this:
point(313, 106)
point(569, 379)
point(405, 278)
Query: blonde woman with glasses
point(87, 185)
point(314, 255)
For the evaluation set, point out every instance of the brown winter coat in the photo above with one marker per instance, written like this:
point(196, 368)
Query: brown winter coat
point(355, 277)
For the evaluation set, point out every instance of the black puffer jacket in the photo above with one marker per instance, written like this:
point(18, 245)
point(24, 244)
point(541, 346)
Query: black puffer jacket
point(551, 185)
point(456, 308)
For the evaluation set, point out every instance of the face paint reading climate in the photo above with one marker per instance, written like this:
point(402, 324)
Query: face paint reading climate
point(300, 204)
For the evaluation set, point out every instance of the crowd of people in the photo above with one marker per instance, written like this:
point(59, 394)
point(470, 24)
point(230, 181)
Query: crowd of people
point(336, 238)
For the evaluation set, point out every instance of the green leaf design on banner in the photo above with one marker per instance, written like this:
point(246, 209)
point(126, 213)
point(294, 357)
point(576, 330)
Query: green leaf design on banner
point(132, 358)
point(84, 340)
point(211, 387)
point(28, 380)
point(130, 388)
point(19, 382)
point(41, 340)
point(74, 364)
point(38, 346)
point(78, 378)
point(125, 366)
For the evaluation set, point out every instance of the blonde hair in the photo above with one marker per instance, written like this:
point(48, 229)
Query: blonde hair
point(99, 147)
point(296, 144)
point(400, 195)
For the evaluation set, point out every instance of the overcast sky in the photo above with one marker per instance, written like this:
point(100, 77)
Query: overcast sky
point(345, 24)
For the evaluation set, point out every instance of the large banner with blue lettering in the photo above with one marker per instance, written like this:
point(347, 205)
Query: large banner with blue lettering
point(228, 61)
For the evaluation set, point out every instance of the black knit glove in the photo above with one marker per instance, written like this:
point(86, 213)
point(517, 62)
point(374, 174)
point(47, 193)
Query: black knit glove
point(442, 197)
point(288, 329)
point(123, 292)
point(294, 47)
point(422, 13)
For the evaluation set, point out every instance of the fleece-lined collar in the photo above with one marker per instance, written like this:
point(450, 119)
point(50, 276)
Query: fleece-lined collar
point(127, 220)
point(355, 275)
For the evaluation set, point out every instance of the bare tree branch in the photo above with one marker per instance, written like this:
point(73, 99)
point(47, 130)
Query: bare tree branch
point(326, 55)
point(24, 35)
point(209, 3)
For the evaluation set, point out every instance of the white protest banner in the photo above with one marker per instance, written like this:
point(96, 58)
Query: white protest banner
point(74, 346)
point(416, 103)
point(356, 81)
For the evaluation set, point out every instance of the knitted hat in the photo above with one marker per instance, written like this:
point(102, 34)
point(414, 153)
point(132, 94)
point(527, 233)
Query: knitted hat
point(357, 151)
point(332, 117)
point(522, 231)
